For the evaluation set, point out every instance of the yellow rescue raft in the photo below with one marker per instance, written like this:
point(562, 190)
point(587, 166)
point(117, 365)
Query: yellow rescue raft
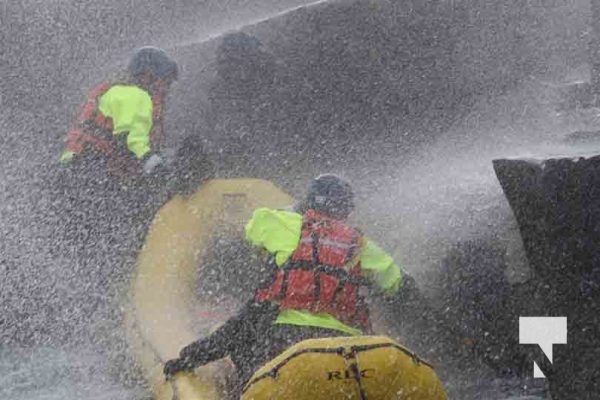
point(368, 367)
point(162, 318)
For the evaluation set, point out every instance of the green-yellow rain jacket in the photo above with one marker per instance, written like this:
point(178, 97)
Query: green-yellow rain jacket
point(278, 232)
point(130, 110)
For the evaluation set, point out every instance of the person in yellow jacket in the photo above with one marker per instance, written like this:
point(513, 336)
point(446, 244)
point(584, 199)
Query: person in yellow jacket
point(123, 122)
point(322, 269)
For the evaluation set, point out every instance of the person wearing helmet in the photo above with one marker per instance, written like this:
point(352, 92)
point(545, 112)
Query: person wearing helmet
point(123, 122)
point(321, 270)
point(242, 61)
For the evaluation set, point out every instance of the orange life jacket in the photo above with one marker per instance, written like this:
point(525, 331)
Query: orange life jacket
point(94, 130)
point(323, 274)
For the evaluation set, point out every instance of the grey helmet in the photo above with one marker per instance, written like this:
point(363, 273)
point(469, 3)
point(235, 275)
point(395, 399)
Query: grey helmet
point(330, 195)
point(240, 41)
point(153, 60)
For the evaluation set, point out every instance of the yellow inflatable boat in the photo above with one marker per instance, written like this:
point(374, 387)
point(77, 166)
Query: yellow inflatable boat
point(163, 316)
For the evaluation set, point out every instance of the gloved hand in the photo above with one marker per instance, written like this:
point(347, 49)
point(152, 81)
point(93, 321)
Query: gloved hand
point(176, 365)
point(151, 163)
point(66, 157)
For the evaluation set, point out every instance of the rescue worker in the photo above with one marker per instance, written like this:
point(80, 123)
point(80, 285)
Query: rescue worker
point(113, 158)
point(320, 267)
point(122, 122)
point(241, 97)
point(243, 65)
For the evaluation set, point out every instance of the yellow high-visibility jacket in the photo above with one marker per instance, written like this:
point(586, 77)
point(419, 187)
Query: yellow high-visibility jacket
point(278, 232)
point(126, 109)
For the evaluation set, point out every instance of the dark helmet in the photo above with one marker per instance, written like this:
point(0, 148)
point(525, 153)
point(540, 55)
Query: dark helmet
point(242, 61)
point(240, 41)
point(331, 195)
point(153, 60)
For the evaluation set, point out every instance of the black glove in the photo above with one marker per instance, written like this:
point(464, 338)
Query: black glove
point(176, 365)
point(407, 294)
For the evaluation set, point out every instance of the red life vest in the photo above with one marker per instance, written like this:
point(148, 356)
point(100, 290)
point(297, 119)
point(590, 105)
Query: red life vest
point(323, 274)
point(94, 130)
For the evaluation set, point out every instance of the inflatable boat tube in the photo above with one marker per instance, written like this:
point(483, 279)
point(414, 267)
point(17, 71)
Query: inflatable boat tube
point(368, 367)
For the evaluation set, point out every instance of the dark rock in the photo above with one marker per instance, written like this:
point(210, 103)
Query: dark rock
point(555, 202)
